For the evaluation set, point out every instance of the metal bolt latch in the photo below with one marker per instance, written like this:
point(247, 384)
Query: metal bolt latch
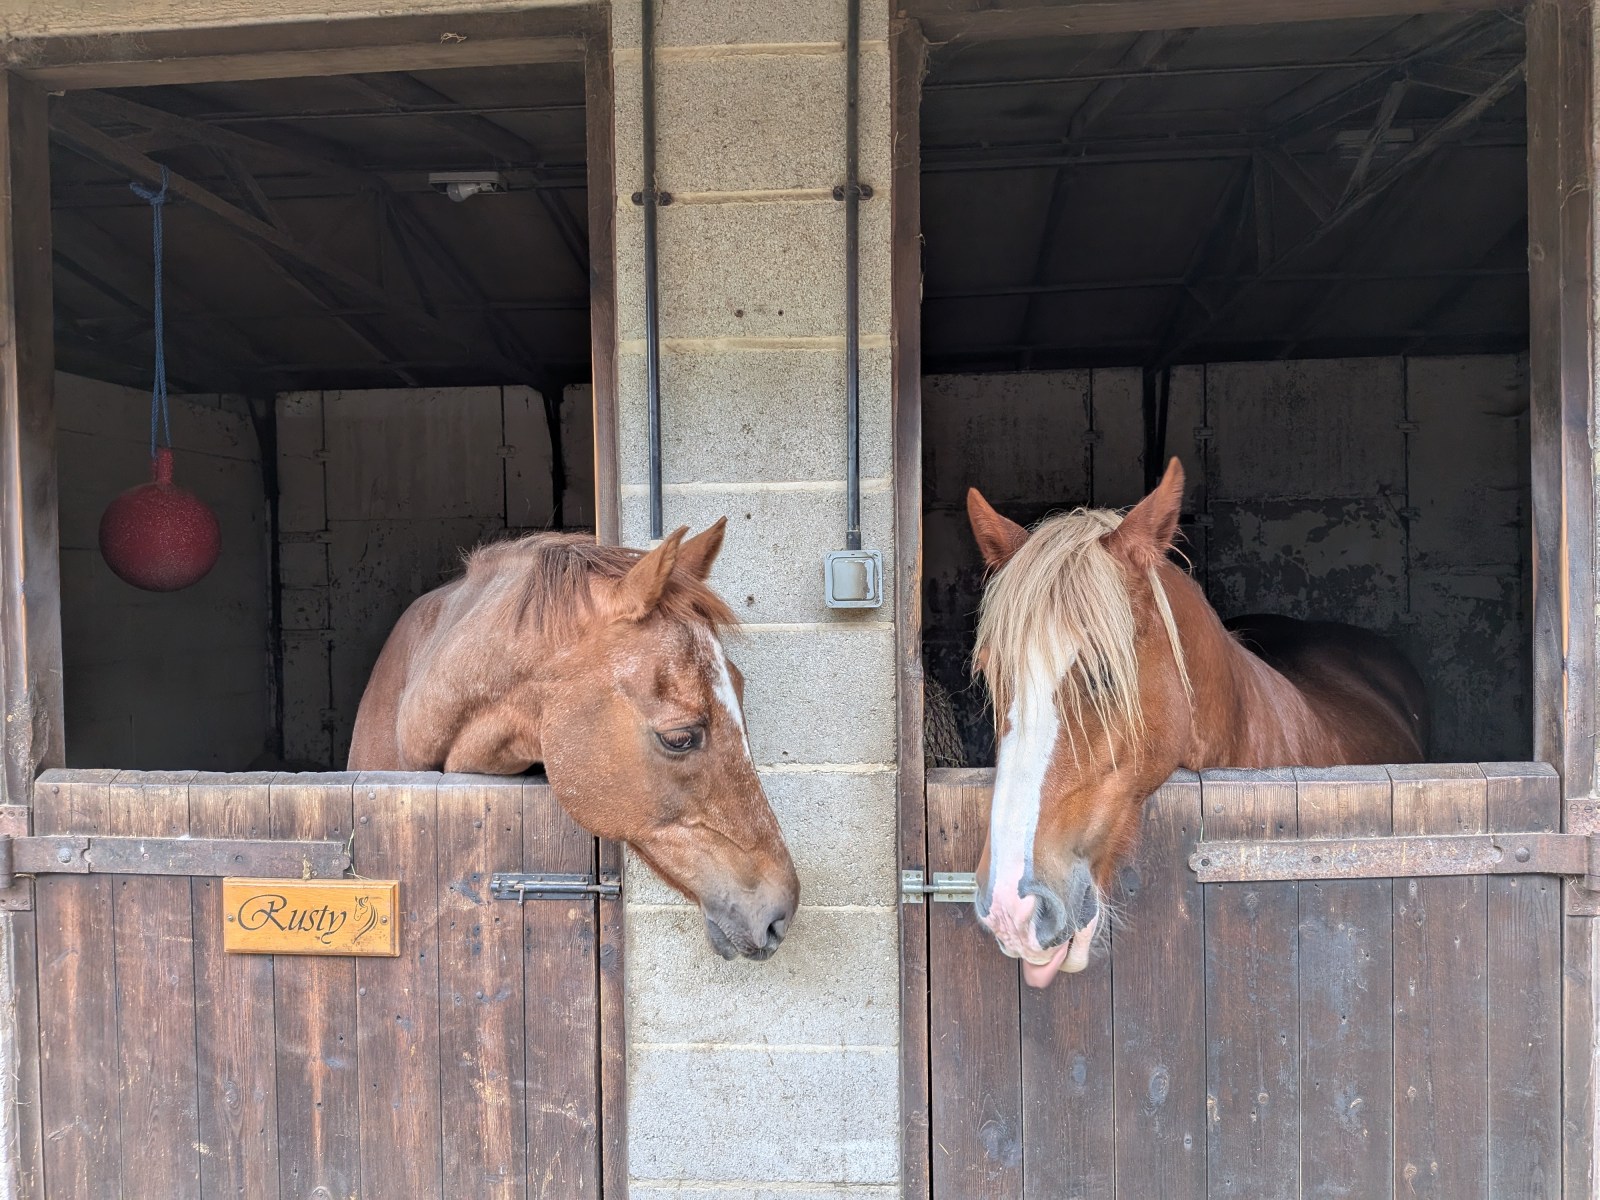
point(519, 886)
point(948, 887)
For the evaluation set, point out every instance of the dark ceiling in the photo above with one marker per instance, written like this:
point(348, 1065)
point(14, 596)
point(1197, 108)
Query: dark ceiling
point(305, 247)
point(1303, 190)
point(1310, 189)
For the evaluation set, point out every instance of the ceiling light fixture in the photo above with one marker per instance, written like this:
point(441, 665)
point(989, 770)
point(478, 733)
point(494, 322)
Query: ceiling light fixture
point(459, 185)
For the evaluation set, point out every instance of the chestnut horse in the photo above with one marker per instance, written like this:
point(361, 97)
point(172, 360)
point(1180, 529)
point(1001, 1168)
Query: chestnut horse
point(1109, 670)
point(605, 665)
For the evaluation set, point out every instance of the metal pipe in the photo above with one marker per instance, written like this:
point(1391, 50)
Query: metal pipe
point(852, 288)
point(652, 325)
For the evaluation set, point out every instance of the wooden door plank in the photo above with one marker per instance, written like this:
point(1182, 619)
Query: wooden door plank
point(30, 571)
point(1067, 1059)
point(560, 964)
point(318, 1085)
point(480, 990)
point(1440, 999)
point(77, 1002)
point(1252, 997)
point(233, 1010)
point(153, 937)
point(1158, 1004)
point(1346, 973)
point(397, 999)
point(613, 1033)
point(975, 1050)
point(1524, 973)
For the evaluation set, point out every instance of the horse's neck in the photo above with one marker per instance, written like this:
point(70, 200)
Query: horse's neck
point(1245, 713)
point(473, 692)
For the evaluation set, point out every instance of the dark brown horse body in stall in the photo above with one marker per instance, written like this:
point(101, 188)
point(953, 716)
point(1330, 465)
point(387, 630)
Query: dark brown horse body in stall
point(606, 666)
point(1109, 670)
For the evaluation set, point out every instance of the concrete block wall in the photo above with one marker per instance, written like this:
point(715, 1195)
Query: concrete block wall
point(1389, 492)
point(162, 680)
point(776, 1078)
point(380, 493)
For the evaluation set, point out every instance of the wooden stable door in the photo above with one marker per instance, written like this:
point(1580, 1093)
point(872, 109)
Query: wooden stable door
point(467, 1066)
point(1362, 1038)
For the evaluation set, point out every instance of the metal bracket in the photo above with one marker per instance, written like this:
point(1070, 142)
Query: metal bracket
point(948, 887)
point(1574, 855)
point(520, 886)
point(22, 855)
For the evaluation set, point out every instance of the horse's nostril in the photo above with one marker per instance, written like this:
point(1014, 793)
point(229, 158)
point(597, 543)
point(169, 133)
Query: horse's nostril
point(776, 930)
point(1049, 918)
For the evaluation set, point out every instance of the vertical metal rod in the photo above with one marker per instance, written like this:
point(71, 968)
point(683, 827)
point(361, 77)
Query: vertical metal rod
point(852, 262)
point(652, 329)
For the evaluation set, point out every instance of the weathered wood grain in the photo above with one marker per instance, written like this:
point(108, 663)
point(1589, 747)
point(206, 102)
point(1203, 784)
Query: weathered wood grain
point(1441, 1052)
point(1346, 971)
point(153, 939)
point(600, 98)
point(613, 1081)
point(480, 990)
point(1252, 998)
point(397, 999)
point(560, 962)
point(77, 1003)
point(908, 53)
point(1158, 1005)
point(1069, 1138)
point(233, 1010)
point(1524, 1016)
point(975, 1047)
point(318, 1092)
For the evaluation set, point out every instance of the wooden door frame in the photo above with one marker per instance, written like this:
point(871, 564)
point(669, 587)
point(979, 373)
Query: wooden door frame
point(30, 591)
point(1561, 131)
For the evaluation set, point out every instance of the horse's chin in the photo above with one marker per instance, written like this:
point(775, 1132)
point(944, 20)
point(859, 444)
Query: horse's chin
point(720, 941)
point(1069, 958)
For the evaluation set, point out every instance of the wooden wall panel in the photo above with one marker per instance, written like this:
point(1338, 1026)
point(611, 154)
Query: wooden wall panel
point(152, 936)
point(319, 1114)
point(560, 963)
point(481, 997)
point(397, 999)
point(77, 1002)
point(1158, 1005)
point(235, 1019)
point(1346, 969)
point(1252, 1009)
point(1441, 1043)
point(974, 1041)
point(1524, 1000)
point(1334, 1038)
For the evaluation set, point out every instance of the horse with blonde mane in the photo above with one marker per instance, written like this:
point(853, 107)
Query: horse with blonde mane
point(605, 665)
point(1109, 670)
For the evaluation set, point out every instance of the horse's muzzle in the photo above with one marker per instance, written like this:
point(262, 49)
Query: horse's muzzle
point(752, 930)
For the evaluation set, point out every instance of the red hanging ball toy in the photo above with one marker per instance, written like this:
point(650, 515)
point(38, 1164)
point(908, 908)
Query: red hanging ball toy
point(159, 536)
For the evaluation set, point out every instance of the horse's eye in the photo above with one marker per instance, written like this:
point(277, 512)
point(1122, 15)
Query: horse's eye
point(681, 741)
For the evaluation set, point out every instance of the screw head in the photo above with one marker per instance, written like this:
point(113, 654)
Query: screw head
point(64, 854)
point(1523, 854)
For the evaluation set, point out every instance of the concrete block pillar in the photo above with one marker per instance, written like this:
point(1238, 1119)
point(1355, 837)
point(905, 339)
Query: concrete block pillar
point(745, 1077)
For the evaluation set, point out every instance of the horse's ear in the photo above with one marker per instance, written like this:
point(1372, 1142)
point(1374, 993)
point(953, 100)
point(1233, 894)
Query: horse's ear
point(1147, 532)
point(697, 554)
point(639, 591)
point(998, 537)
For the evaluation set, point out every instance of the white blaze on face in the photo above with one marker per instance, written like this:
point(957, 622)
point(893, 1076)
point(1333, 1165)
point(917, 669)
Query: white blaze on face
point(1025, 752)
point(722, 687)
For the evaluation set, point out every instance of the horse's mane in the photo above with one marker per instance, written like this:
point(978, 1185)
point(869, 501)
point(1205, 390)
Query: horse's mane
point(553, 577)
point(1059, 612)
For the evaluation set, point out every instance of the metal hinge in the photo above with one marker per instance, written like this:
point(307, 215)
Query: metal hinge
point(1574, 855)
point(948, 887)
point(23, 855)
point(514, 885)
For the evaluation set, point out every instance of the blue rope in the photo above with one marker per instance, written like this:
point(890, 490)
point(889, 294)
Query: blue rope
point(160, 416)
